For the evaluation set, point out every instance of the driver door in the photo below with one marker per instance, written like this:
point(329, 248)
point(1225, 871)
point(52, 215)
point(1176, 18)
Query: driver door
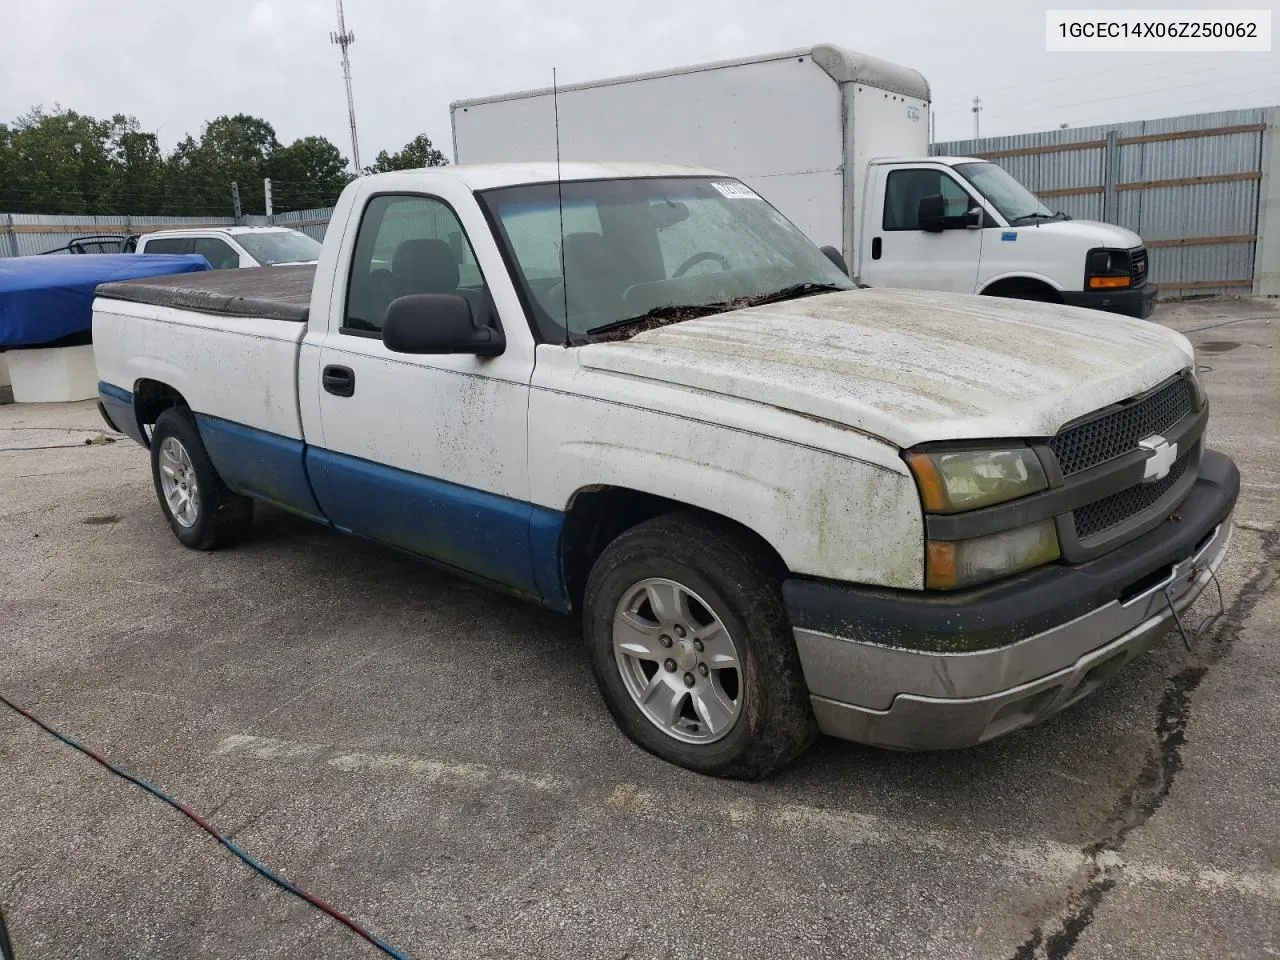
point(901, 254)
point(427, 453)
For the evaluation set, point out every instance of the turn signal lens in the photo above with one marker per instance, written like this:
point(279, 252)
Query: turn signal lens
point(1099, 283)
point(950, 564)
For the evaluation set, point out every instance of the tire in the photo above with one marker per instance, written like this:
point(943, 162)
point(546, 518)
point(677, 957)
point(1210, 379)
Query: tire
point(202, 512)
point(744, 722)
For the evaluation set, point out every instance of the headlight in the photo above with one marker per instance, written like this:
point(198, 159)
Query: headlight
point(1107, 269)
point(969, 479)
point(961, 563)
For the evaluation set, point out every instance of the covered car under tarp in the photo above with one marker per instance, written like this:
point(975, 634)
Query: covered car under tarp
point(48, 301)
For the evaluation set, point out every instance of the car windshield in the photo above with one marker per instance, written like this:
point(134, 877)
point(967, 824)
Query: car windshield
point(1012, 199)
point(650, 250)
point(285, 246)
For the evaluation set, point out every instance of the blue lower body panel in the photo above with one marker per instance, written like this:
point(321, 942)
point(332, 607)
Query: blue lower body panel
point(504, 541)
point(118, 408)
point(259, 464)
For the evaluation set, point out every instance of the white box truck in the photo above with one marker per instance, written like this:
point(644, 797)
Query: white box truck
point(839, 142)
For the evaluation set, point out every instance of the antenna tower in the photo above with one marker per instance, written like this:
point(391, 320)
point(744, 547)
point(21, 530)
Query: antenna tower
point(345, 38)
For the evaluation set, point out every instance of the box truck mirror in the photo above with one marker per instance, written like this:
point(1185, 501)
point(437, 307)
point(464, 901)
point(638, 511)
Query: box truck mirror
point(929, 214)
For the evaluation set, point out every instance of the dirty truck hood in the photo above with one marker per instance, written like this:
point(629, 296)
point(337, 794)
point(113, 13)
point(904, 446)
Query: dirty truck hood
point(909, 366)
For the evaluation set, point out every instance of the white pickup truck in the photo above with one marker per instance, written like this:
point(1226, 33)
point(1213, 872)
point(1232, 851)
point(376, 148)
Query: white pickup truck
point(639, 395)
point(235, 248)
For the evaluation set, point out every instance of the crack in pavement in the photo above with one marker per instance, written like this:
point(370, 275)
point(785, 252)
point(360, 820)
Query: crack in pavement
point(1056, 939)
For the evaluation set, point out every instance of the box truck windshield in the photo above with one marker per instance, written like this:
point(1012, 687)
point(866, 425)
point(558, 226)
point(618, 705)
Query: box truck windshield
point(1015, 202)
point(634, 247)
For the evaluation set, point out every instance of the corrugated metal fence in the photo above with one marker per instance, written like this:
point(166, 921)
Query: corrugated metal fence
point(24, 234)
point(1189, 186)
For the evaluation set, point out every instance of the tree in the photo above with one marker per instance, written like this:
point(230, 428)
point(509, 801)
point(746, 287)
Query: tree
point(308, 173)
point(59, 162)
point(230, 150)
point(138, 182)
point(417, 153)
point(8, 177)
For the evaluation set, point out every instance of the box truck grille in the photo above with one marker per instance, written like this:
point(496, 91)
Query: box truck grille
point(1138, 267)
point(1115, 434)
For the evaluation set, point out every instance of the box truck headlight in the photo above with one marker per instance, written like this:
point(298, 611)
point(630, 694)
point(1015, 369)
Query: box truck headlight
point(969, 479)
point(950, 564)
point(1107, 269)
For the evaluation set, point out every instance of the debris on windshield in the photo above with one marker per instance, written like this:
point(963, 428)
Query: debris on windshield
point(676, 313)
point(662, 317)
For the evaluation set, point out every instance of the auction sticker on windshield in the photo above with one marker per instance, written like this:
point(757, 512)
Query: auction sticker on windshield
point(735, 191)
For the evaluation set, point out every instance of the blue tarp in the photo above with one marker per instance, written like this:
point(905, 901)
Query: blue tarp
point(47, 299)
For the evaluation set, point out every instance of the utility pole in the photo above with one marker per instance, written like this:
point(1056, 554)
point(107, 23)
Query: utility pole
point(235, 201)
point(344, 38)
point(977, 108)
point(266, 192)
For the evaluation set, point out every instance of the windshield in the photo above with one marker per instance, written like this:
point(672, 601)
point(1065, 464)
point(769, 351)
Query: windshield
point(286, 246)
point(635, 249)
point(1012, 199)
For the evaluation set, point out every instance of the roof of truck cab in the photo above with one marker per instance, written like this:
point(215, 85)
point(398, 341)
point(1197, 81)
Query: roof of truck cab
point(841, 64)
point(230, 230)
point(487, 176)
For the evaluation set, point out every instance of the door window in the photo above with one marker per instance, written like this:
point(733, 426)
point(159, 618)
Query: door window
point(217, 252)
point(407, 245)
point(168, 245)
point(906, 188)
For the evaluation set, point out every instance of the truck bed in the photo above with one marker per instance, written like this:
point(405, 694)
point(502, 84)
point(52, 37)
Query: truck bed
point(272, 293)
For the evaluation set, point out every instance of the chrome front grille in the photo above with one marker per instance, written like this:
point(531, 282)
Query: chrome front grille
point(1115, 433)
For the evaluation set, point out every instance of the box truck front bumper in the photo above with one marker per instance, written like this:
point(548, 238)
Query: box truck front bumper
point(1139, 302)
point(916, 672)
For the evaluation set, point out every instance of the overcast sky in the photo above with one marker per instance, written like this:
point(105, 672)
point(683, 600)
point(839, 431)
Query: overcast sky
point(175, 65)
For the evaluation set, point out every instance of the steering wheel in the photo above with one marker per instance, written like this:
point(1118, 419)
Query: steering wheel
point(696, 259)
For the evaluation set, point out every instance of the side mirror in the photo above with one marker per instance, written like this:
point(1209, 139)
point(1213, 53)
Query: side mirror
point(834, 256)
point(435, 323)
point(929, 214)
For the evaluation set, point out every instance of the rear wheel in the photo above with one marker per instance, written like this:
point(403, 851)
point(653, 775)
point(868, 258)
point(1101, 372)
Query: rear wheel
point(691, 649)
point(201, 511)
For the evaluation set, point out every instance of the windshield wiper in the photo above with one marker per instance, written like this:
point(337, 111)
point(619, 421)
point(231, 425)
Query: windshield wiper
point(1040, 216)
point(676, 312)
point(795, 290)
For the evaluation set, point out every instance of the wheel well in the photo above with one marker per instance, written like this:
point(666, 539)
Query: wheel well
point(1025, 288)
point(151, 398)
point(598, 515)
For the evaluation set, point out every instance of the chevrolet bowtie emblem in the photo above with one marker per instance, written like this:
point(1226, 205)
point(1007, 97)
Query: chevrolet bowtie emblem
point(1160, 457)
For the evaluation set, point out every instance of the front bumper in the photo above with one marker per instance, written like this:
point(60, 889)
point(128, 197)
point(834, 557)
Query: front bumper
point(1139, 302)
point(930, 671)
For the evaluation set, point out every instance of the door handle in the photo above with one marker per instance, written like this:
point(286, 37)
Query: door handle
point(340, 381)
point(875, 249)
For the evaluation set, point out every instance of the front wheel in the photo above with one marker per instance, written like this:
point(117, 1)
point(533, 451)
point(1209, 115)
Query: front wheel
point(691, 649)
